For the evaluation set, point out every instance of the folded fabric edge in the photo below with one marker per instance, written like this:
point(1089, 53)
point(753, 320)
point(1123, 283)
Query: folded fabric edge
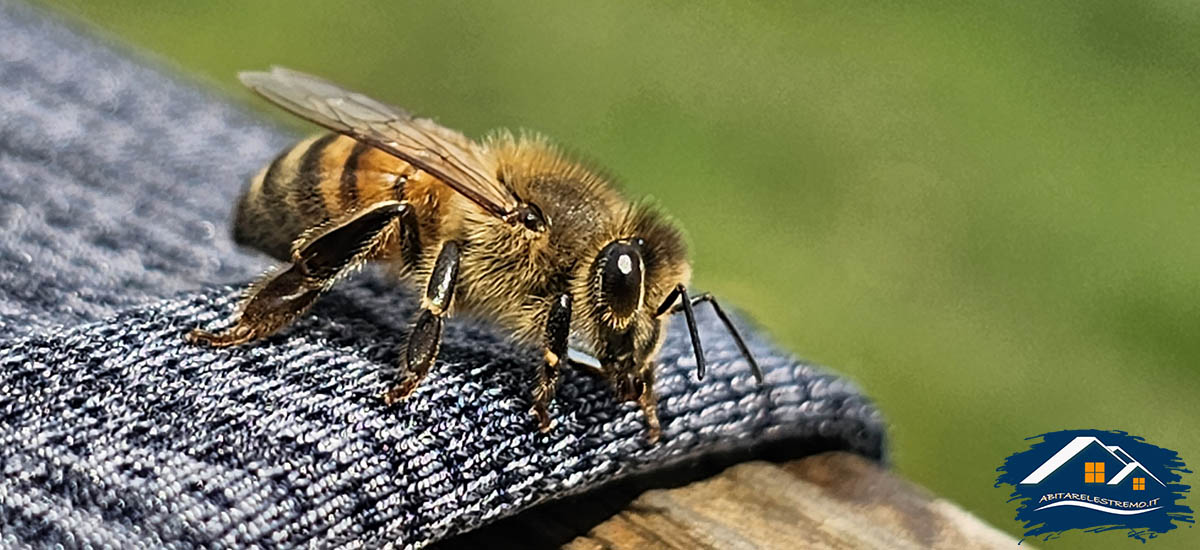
point(860, 431)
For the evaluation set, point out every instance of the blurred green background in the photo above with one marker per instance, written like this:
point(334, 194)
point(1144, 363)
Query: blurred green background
point(987, 216)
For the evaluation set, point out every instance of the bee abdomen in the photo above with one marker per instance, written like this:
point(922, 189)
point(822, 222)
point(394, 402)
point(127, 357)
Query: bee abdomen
point(321, 179)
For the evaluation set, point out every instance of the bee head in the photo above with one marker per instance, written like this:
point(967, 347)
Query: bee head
point(619, 293)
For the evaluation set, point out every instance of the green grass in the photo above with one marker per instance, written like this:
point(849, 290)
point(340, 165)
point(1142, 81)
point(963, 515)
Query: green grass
point(987, 216)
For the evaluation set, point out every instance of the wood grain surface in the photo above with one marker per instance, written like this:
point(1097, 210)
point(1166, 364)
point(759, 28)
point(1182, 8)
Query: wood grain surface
point(829, 500)
point(833, 500)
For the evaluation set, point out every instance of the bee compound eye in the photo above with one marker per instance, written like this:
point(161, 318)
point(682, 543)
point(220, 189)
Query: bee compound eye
point(621, 275)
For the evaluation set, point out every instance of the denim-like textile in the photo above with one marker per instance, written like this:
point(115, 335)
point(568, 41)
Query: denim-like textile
point(116, 184)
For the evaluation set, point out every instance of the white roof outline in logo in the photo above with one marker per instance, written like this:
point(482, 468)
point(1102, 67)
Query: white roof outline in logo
point(1076, 446)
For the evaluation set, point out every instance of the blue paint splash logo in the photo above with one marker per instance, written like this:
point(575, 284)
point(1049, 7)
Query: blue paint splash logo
point(1096, 481)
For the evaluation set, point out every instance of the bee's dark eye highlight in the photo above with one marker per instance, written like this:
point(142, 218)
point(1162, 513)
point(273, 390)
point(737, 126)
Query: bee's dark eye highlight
point(621, 275)
point(531, 217)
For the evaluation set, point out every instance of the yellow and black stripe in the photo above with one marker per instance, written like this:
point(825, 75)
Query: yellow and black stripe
point(320, 180)
point(348, 183)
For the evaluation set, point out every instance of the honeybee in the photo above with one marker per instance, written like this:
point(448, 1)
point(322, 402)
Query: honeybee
point(509, 229)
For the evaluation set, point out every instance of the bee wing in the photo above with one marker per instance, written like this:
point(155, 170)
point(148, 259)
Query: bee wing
point(443, 153)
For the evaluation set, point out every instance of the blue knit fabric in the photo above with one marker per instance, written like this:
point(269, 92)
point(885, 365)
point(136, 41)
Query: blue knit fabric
point(115, 189)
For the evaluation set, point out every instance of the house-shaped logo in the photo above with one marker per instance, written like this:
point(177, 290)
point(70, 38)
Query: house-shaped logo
point(1099, 466)
point(1096, 481)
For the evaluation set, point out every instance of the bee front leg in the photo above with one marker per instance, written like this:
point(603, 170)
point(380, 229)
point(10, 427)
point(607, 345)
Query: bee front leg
point(280, 297)
point(558, 330)
point(426, 336)
point(649, 403)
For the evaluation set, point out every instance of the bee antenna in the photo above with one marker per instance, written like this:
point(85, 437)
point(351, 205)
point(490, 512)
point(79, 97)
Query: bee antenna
point(737, 338)
point(679, 293)
point(695, 334)
point(685, 304)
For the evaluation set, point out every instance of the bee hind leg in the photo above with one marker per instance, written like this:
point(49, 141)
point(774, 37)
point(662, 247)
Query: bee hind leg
point(426, 336)
point(271, 303)
point(558, 329)
point(278, 298)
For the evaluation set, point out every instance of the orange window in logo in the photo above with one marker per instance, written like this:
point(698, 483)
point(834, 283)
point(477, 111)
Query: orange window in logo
point(1093, 472)
point(1139, 484)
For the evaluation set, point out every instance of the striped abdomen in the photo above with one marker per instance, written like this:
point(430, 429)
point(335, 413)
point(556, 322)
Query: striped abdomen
point(324, 179)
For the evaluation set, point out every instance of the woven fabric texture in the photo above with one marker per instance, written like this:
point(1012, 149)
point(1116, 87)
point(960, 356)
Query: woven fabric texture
point(116, 183)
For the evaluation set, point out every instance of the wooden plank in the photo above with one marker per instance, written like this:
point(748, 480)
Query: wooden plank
point(833, 500)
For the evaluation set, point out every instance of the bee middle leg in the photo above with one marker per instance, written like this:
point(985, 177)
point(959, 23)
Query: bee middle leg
point(426, 336)
point(280, 297)
point(558, 330)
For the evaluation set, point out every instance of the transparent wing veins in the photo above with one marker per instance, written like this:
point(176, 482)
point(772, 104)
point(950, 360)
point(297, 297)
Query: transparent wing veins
point(443, 153)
